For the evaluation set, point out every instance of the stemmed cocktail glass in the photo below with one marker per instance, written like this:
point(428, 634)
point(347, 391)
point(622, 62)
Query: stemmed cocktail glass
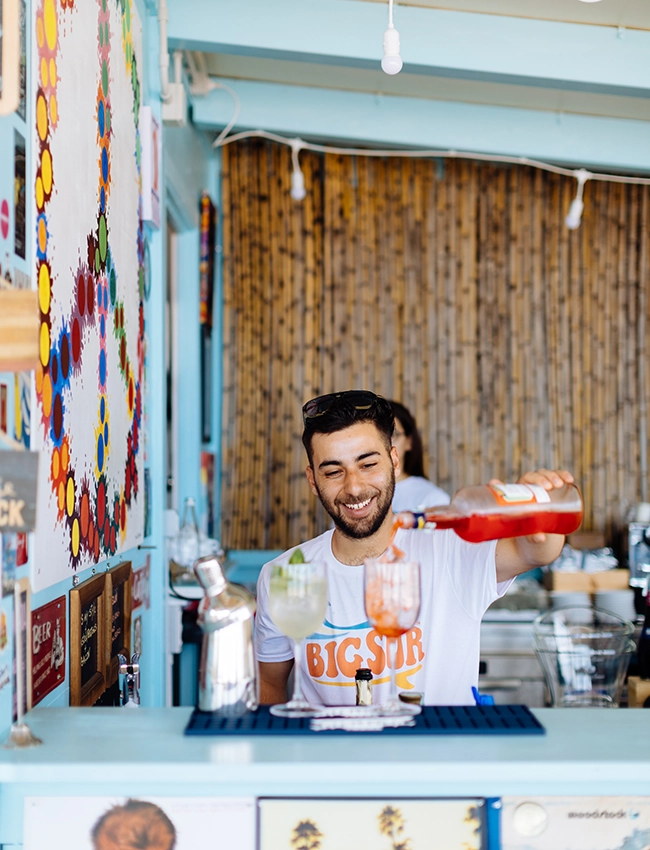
point(297, 604)
point(392, 599)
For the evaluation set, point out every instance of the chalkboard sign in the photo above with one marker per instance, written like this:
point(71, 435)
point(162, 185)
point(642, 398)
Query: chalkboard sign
point(118, 625)
point(88, 606)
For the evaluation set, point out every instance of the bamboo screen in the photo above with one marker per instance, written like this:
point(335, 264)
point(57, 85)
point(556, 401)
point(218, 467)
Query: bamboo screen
point(453, 287)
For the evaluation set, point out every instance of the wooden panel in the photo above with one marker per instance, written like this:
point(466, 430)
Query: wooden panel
point(452, 286)
point(19, 324)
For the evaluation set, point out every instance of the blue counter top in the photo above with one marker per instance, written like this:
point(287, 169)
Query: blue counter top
point(585, 751)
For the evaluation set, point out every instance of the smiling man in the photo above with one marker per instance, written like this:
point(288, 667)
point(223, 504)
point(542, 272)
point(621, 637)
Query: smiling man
point(352, 469)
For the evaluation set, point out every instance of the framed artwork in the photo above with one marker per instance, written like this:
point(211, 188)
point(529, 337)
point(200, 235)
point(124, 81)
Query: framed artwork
point(9, 56)
point(377, 824)
point(88, 607)
point(207, 491)
point(208, 218)
point(48, 636)
point(182, 823)
point(208, 225)
point(579, 823)
point(88, 241)
point(206, 384)
point(118, 612)
point(20, 196)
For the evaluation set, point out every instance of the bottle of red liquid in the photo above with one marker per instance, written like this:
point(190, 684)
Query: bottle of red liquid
point(490, 512)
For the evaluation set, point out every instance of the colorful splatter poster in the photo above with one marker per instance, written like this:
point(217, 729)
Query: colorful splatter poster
point(89, 273)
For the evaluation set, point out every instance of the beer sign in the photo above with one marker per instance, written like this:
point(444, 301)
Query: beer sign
point(48, 648)
point(18, 472)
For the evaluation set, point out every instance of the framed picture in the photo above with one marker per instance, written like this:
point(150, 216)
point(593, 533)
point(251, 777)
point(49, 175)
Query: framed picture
point(88, 606)
point(9, 56)
point(581, 823)
point(182, 823)
point(375, 824)
point(118, 618)
point(206, 384)
point(48, 636)
point(208, 218)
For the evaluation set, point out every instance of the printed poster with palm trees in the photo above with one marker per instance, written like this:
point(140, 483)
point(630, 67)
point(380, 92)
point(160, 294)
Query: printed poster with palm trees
point(386, 824)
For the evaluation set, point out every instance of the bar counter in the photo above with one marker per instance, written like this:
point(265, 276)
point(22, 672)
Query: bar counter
point(88, 751)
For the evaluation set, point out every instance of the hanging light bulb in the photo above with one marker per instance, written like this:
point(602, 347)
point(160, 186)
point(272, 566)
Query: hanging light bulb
point(298, 191)
point(574, 216)
point(391, 62)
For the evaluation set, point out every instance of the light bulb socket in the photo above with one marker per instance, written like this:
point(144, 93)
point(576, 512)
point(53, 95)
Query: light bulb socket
point(391, 62)
point(574, 215)
point(298, 191)
point(391, 42)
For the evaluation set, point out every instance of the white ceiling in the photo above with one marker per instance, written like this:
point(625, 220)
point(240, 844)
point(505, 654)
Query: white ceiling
point(633, 14)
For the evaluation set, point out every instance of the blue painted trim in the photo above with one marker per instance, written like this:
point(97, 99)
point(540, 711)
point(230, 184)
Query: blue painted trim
point(493, 822)
point(441, 41)
point(591, 141)
point(188, 389)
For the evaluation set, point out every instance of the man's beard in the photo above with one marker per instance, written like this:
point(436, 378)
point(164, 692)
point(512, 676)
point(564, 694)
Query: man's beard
point(367, 526)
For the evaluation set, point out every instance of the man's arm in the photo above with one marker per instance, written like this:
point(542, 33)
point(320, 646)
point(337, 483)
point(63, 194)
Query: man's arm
point(274, 676)
point(516, 555)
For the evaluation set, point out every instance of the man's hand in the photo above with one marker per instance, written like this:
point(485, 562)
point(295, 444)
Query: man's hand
point(515, 555)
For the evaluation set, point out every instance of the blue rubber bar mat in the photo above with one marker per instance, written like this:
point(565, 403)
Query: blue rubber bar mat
point(434, 720)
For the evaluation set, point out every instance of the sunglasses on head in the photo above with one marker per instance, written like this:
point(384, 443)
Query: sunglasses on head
point(359, 399)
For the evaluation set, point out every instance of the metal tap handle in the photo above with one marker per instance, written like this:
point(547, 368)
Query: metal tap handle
point(129, 679)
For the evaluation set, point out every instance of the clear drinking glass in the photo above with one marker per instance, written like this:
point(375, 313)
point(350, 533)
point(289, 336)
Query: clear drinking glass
point(297, 605)
point(392, 598)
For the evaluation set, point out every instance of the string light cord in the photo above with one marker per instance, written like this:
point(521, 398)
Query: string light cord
point(201, 84)
point(222, 140)
point(235, 115)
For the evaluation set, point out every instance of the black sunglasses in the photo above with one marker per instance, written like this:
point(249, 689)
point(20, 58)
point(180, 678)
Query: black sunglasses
point(359, 399)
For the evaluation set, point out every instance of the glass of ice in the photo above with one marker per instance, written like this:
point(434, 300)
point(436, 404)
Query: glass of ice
point(297, 605)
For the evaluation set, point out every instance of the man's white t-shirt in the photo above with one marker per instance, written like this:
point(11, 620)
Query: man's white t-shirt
point(439, 656)
point(416, 492)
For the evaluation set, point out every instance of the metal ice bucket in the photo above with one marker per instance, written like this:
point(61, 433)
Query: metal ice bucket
point(227, 671)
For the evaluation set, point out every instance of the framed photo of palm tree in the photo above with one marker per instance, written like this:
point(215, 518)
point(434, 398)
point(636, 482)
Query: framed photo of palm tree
point(374, 824)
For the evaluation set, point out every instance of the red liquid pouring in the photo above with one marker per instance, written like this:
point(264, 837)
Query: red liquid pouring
point(561, 515)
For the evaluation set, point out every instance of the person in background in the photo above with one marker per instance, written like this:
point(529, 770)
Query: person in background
point(413, 489)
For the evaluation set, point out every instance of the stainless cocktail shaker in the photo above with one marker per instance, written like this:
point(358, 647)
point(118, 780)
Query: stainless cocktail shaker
point(227, 671)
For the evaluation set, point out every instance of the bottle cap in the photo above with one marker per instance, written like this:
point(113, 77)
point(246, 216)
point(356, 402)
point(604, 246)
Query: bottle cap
point(413, 697)
point(363, 673)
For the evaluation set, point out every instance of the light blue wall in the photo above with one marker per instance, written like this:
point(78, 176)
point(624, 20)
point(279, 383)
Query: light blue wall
point(190, 168)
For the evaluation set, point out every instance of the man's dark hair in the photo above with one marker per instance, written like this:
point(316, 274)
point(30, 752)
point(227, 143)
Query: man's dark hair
point(412, 463)
point(342, 413)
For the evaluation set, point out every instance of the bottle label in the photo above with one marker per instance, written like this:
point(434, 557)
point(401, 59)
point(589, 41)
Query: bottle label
point(519, 494)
